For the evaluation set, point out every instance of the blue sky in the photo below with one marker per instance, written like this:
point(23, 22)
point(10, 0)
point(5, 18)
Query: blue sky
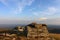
point(27, 10)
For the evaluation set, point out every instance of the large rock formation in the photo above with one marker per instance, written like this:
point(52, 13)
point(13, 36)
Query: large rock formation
point(38, 32)
point(32, 31)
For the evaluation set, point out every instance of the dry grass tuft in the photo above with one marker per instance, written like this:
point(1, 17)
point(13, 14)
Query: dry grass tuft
point(56, 36)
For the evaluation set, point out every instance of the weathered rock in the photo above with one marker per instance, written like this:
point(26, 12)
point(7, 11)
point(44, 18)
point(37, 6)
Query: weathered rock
point(32, 31)
point(38, 32)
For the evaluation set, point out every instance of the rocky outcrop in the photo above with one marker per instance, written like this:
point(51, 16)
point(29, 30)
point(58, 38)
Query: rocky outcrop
point(32, 31)
point(38, 32)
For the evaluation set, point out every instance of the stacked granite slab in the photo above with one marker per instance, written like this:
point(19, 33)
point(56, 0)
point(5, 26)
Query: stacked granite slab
point(38, 32)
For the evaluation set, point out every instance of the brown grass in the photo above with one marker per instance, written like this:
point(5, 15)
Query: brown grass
point(56, 36)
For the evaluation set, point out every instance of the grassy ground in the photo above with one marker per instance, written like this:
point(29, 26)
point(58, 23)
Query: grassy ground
point(56, 36)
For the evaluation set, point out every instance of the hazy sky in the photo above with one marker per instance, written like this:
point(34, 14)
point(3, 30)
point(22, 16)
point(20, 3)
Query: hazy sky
point(18, 11)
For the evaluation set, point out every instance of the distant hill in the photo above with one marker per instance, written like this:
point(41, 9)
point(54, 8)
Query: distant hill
point(54, 28)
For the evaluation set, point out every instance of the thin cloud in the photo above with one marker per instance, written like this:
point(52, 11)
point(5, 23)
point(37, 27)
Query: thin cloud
point(48, 11)
point(19, 4)
point(5, 2)
point(44, 18)
point(54, 21)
